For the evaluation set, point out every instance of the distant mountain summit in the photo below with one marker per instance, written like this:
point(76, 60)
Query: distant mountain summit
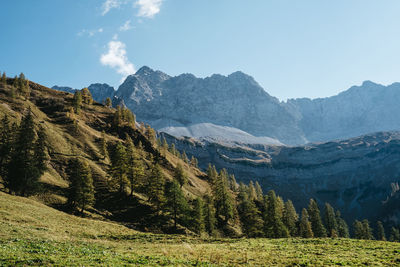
point(99, 91)
point(237, 107)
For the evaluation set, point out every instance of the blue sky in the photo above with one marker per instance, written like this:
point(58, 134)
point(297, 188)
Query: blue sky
point(310, 48)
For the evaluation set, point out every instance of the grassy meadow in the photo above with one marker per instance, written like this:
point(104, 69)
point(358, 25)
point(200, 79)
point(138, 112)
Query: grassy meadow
point(34, 234)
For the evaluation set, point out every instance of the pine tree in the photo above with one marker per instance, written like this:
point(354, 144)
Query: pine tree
point(394, 235)
point(81, 191)
point(6, 145)
point(330, 221)
point(290, 218)
point(198, 216)
point(273, 225)
point(155, 186)
point(136, 171)
point(108, 102)
point(176, 202)
point(86, 96)
point(103, 145)
point(358, 230)
point(259, 192)
point(180, 175)
point(315, 219)
point(223, 198)
point(25, 167)
point(39, 151)
point(380, 231)
point(343, 229)
point(15, 83)
point(4, 79)
point(77, 102)
point(173, 149)
point(305, 230)
point(252, 191)
point(118, 167)
point(184, 157)
point(164, 145)
point(251, 219)
point(209, 216)
point(193, 162)
point(367, 231)
point(150, 134)
point(212, 174)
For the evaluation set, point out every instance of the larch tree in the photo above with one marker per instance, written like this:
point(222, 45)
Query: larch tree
point(330, 221)
point(180, 175)
point(209, 216)
point(223, 199)
point(305, 229)
point(118, 169)
point(290, 218)
point(108, 102)
point(135, 166)
point(315, 219)
point(155, 186)
point(273, 225)
point(77, 102)
point(176, 202)
point(380, 231)
point(343, 228)
point(259, 192)
point(198, 216)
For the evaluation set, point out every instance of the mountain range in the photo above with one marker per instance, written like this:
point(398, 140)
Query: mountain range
point(235, 108)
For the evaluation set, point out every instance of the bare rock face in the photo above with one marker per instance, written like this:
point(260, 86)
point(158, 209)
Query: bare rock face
point(100, 92)
point(356, 175)
point(236, 101)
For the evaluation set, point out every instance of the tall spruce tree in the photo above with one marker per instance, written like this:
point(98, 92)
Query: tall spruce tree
point(273, 225)
point(212, 174)
point(135, 166)
point(315, 219)
point(77, 102)
point(25, 166)
point(176, 202)
point(290, 218)
point(118, 169)
point(232, 183)
point(251, 219)
point(305, 229)
point(330, 221)
point(180, 175)
point(259, 192)
point(343, 228)
point(6, 144)
point(252, 191)
point(209, 215)
point(155, 186)
point(198, 216)
point(358, 229)
point(81, 190)
point(367, 231)
point(394, 235)
point(380, 231)
point(223, 199)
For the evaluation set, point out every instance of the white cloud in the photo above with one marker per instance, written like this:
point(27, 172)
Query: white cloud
point(126, 26)
point(110, 4)
point(148, 8)
point(90, 33)
point(116, 58)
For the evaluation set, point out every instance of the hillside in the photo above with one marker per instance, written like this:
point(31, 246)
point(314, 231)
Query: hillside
point(34, 234)
point(70, 136)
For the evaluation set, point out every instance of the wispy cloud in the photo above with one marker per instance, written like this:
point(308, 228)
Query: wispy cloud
point(110, 4)
point(126, 26)
point(148, 8)
point(90, 33)
point(116, 58)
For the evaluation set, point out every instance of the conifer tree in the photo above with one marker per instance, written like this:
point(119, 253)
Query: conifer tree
point(252, 191)
point(212, 174)
point(305, 230)
point(251, 218)
point(25, 167)
point(108, 102)
point(176, 202)
point(343, 229)
point(198, 216)
point(6, 144)
point(209, 216)
point(164, 145)
point(4, 79)
point(118, 167)
point(173, 149)
point(86, 96)
point(150, 134)
point(330, 221)
point(155, 186)
point(273, 225)
point(394, 235)
point(184, 157)
point(136, 171)
point(193, 162)
point(367, 231)
point(290, 218)
point(315, 219)
point(39, 151)
point(259, 192)
point(358, 230)
point(180, 175)
point(232, 183)
point(77, 102)
point(81, 191)
point(15, 83)
point(380, 231)
point(103, 145)
point(223, 198)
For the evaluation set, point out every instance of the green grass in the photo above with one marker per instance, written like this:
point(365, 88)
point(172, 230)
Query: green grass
point(34, 234)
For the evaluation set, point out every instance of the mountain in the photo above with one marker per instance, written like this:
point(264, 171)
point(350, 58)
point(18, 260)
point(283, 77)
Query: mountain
point(359, 175)
point(235, 101)
point(176, 104)
point(99, 91)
